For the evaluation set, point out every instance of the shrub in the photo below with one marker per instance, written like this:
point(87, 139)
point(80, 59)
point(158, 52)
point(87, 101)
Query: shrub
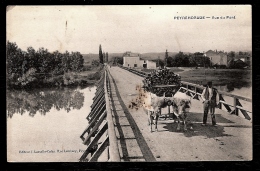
point(28, 77)
point(94, 76)
point(88, 68)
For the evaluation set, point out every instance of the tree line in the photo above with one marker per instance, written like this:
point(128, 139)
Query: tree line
point(184, 60)
point(24, 67)
point(198, 60)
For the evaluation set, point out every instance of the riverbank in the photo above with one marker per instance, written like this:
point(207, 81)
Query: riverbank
point(88, 77)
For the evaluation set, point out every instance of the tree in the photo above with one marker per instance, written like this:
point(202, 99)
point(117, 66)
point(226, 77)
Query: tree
point(178, 59)
point(231, 56)
point(120, 60)
point(57, 63)
point(166, 58)
point(106, 57)
point(117, 60)
point(65, 61)
point(77, 62)
point(95, 63)
point(30, 56)
point(100, 55)
point(192, 62)
point(169, 61)
point(45, 60)
point(185, 61)
point(30, 66)
point(239, 64)
point(182, 60)
point(161, 63)
point(15, 58)
point(14, 63)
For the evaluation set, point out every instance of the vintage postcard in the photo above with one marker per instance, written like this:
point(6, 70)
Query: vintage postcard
point(146, 83)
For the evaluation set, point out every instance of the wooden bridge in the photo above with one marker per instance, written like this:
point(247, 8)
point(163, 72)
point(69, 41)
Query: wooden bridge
point(116, 132)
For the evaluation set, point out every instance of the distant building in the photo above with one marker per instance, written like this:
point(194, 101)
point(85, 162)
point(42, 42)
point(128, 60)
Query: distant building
point(149, 64)
point(217, 57)
point(245, 57)
point(132, 60)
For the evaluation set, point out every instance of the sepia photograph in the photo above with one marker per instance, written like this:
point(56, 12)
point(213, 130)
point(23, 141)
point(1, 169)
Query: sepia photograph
point(129, 83)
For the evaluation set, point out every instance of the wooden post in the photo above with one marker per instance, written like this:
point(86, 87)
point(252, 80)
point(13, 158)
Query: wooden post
point(220, 104)
point(100, 150)
point(195, 90)
point(97, 100)
point(244, 112)
point(235, 106)
point(225, 105)
point(99, 91)
point(96, 110)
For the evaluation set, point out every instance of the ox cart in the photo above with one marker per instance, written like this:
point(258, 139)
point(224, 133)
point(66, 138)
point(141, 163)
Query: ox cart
point(163, 83)
point(161, 91)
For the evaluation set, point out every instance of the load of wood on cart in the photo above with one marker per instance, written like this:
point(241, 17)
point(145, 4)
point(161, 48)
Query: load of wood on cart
point(162, 81)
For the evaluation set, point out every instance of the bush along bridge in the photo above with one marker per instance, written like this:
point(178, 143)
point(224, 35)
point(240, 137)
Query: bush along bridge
point(118, 133)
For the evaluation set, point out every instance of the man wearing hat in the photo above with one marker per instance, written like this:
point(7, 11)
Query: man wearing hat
point(210, 99)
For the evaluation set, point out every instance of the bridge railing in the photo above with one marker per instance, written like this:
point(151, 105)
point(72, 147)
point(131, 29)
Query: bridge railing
point(100, 136)
point(195, 91)
point(140, 73)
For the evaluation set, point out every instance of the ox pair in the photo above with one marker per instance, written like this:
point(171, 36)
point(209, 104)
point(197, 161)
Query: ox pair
point(153, 104)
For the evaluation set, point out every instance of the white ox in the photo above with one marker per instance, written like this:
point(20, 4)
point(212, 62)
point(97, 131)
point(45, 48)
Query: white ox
point(180, 103)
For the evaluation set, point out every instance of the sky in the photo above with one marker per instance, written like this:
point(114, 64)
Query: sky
point(138, 28)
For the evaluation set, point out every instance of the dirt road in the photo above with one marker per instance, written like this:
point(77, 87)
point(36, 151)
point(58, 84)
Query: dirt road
point(230, 141)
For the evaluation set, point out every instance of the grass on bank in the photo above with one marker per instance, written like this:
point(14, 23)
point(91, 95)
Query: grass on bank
point(234, 77)
point(239, 77)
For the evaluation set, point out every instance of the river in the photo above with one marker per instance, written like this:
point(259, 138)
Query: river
point(243, 91)
point(45, 125)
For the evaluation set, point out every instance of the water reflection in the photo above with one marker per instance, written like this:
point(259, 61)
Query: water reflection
point(42, 101)
point(55, 131)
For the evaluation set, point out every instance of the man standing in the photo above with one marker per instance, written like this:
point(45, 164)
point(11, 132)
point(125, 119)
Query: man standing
point(210, 99)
